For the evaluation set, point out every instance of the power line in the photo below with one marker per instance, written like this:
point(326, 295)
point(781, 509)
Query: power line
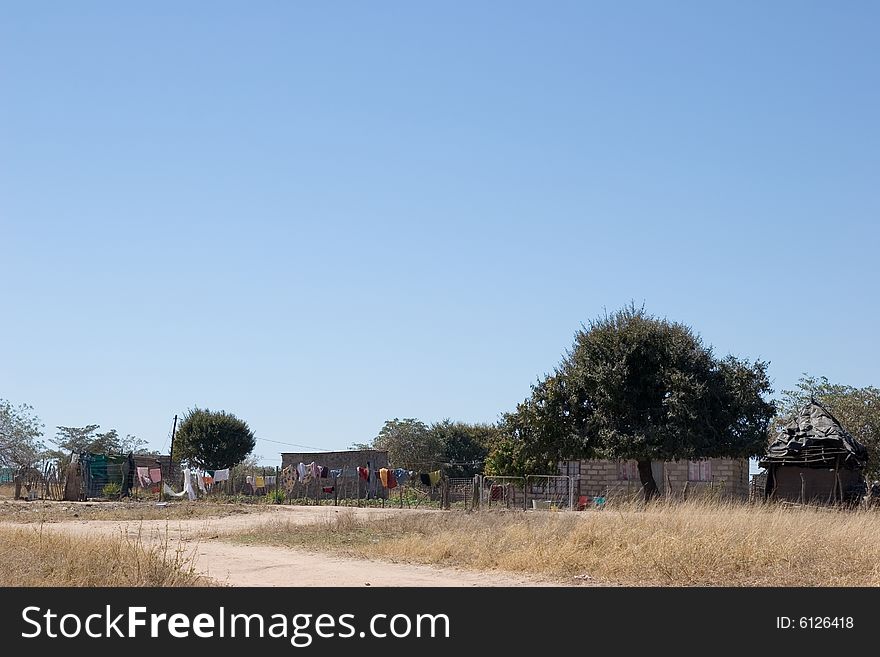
point(318, 449)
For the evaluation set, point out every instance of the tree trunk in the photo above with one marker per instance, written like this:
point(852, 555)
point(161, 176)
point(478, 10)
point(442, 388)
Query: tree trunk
point(647, 479)
point(16, 478)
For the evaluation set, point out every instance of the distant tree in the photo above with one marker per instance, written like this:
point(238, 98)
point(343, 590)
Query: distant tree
point(21, 432)
point(857, 409)
point(76, 440)
point(213, 439)
point(135, 445)
point(634, 386)
point(409, 443)
point(464, 446)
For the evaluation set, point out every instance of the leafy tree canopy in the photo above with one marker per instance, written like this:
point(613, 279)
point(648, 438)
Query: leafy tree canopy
point(74, 440)
point(20, 436)
point(409, 443)
point(634, 386)
point(213, 439)
point(464, 446)
point(459, 447)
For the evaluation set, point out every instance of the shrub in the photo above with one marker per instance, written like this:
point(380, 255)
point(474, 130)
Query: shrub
point(276, 496)
point(112, 491)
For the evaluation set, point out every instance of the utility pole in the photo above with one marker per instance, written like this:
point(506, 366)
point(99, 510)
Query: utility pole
point(170, 458)
point(173, 431)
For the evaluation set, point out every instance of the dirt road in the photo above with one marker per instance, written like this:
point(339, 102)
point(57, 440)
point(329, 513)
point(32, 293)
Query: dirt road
point(245, 565)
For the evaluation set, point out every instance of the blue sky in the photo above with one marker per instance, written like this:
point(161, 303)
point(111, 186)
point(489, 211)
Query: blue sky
point(321, 216)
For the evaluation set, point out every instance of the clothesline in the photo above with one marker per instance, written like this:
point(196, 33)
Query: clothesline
point(390, 478)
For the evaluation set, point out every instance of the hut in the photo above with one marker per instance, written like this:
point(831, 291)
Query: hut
point(88, 473)
point(815, 460)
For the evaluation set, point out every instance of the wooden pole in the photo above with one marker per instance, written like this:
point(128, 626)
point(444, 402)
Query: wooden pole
point(170, 458)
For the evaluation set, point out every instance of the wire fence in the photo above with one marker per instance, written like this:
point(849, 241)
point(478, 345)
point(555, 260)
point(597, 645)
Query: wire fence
point(116, 477)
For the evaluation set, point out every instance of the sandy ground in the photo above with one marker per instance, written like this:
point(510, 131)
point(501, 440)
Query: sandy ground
point(244, 565)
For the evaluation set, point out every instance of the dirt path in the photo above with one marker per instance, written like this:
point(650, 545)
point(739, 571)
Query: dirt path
point(245, 565)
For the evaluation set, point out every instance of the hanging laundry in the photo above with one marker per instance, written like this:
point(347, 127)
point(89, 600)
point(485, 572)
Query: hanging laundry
point(249, 480)
point(315, 470)
point(221, 475)
point(170, 491)
point(364, 474)
point(188, 486)
point(287, 479)
point(392, 480)
point(144, 477)
point(434, 477)
point(425, 478)
point(328, 489)
point(335, 474)
point(208, 479)
point(401, 475)
point(270, 480)
point(325, 472)
point(155, 475)
point(301, 471)
point(260, 482)
point(383, 477)
point(200, 480)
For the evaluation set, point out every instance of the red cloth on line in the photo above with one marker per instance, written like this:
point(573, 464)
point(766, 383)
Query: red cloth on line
point(363, 473)
point(392, 480)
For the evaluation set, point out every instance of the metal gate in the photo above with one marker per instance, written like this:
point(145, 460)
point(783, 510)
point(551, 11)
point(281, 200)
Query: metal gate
point(550, 492)
point(502, 492)
point(461, 494)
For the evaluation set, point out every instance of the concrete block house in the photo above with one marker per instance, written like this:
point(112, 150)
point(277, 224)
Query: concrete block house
point(726, 478)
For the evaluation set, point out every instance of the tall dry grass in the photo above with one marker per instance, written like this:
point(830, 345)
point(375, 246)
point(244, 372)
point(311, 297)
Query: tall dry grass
point(35, 556)
point(665, 544)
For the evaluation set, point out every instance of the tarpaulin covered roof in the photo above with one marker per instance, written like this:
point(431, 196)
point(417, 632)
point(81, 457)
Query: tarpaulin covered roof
point(814, 438)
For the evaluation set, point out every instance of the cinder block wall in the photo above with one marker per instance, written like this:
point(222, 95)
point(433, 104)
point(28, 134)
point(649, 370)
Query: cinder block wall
point(729, 479)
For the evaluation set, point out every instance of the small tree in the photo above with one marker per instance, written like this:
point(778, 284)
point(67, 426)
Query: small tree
point(20, 439)
point(213, 439)
point(73, 440)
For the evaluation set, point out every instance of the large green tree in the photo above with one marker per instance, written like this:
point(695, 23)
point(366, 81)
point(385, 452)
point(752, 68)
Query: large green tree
point(634, 386)
point(212, 439)
point(857, 409)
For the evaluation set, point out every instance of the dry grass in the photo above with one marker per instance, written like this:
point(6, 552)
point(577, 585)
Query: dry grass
point(35, 556)
point(49, 512)
point(666, 544)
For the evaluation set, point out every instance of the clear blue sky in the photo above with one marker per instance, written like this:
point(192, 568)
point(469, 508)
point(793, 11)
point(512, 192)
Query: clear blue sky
point(320, 216)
